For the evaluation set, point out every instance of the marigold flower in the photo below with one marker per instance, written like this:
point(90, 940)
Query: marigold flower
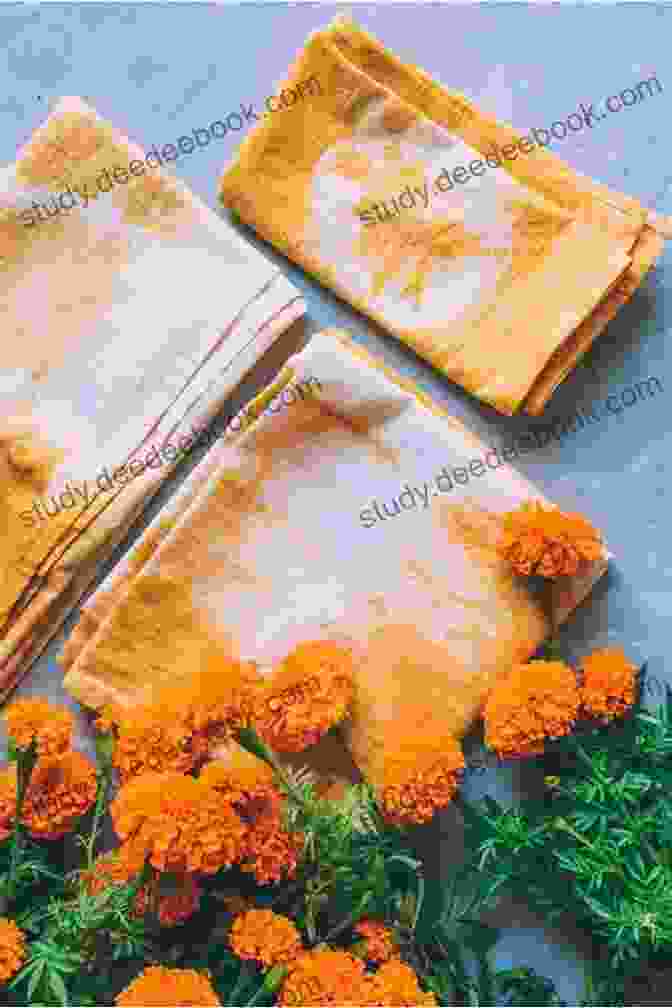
point(159, 987)
point(536, 700)
point(548, 542)
point(323, 976)
point(245, 781)
point(607, 683)
point(178, 823)
point(153, 737)
point(309, 693)
point(420, 777)
point(379, 941)
point(176, 730)
point(265, 937)
point(37, 720)
point(7, 800)
point(221, 699)
point(12, 949)
point(61, 789)
point(396, 983)
point(273, 853)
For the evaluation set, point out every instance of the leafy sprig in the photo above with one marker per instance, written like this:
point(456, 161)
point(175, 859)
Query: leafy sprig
point(597, 847)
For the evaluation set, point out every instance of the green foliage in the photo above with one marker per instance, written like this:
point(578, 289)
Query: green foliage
point(597, 847)
point(523, 986)
point(355, 865)
point(77, 932)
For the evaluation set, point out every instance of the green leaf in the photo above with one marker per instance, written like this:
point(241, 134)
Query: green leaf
point(58, 987)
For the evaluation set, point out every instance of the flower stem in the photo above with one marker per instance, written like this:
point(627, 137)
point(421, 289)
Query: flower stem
point(272, 981)
point(415, 866)
point(25, 761)
point(352, 918)
point(244, 977)
point(104, 782)
point(250, 740)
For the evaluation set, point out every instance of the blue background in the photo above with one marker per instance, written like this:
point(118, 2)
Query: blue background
point(159, 71)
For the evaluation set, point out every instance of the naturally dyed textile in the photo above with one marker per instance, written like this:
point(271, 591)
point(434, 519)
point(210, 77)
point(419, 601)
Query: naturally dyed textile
point(128, 317)
point(501, 279)
point(264, 550)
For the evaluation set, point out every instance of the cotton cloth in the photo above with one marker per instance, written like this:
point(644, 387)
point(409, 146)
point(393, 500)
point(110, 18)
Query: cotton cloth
point(130, 312)
point(265, 549)
point(501, 279)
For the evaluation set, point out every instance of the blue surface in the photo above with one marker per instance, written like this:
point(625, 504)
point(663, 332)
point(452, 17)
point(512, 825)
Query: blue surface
point(159, 71)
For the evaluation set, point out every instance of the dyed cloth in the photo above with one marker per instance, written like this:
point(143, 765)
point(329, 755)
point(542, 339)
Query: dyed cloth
point(501, 279)
point(130, 311)
point(265, 549)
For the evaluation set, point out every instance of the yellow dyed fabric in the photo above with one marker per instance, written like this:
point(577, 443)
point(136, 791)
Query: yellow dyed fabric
point(238, 565)
point(93, 417)
point(501, 282)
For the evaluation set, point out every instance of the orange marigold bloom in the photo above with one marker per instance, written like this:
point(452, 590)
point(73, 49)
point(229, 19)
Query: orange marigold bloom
point(176, 730)
point(548, 542)
point(536, 700)
point(608, 683)
point(323, 976)
point(7, 800)
point(221, 698)
point(35, 719)
point(159, 987)
point(273, 852)
point(396, 983)
point(245, 781)
point(266, 937)
point(12, 949)
point(61, 789)
point(420, 777)
point(379, 941)
point(309, 693)
point(153, 737)
point(178, 823)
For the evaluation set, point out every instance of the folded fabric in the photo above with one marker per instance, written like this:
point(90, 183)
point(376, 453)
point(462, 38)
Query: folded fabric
point(130, 312)
point(266, 550)
point(501, 278)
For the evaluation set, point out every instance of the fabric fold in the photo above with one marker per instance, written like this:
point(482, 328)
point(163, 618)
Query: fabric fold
point(265, 550)
point(501, 277)
point(130, 315)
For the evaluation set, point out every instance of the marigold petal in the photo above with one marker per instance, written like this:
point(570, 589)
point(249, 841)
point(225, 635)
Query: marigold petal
point(396, 984)
point(61, 789)
point(608, 683)
point(159, 987)
point(420, 777)
point(379, 942)
point(545, 541)
point(534, 701)
point(179, 823)
point(309, 693)
point(12, 949)
point(37, 720)
point(323, 976)
point(265, 937)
